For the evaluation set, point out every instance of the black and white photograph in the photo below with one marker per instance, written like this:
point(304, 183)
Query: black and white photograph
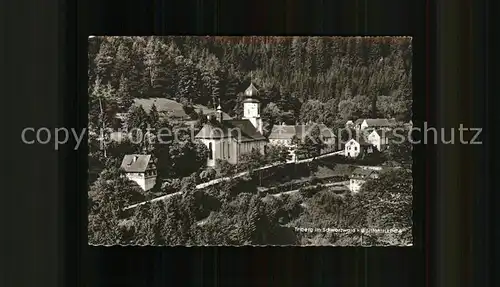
point(250, 141)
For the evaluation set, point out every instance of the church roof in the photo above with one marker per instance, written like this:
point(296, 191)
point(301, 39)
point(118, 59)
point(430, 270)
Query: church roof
point(247, 129)
point(216, 114)
point(136, 162)
point(361, 138)
point(251, 91)
point(240, 130)
point(375, 122)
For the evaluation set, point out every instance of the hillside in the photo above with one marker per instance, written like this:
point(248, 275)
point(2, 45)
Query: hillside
point(319, 79)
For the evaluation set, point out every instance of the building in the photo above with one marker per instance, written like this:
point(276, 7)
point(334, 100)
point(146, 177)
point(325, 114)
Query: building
point(359, 176)
point(172, 109)
point(251, 108)
point(228, 139)
point(349, 124)
point(140, 168)
point(283, 134)
point(358, 146)
point(362, 124)
point(378, 138)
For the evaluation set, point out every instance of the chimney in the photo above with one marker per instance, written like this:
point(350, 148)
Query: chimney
point(135, 158)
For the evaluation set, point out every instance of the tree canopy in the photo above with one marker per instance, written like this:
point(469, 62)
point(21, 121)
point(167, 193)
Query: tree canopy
point(300, 78)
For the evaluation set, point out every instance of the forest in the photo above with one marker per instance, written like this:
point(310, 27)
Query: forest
point(236, 213)
point(300, 79)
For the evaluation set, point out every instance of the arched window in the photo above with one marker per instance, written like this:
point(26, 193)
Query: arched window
point(210, 151)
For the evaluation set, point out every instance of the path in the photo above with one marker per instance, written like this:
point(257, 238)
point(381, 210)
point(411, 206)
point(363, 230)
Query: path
point(153, 200)
point(218, 180)
point(227, 178)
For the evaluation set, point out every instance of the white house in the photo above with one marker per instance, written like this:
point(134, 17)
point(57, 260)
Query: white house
point(357, 147)
point(359, 177)
point(140, 168)
point(228, 139)
point(283, 134)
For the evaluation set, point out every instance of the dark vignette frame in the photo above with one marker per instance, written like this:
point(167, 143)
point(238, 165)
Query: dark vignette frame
point(357, 265)
point(50, 221)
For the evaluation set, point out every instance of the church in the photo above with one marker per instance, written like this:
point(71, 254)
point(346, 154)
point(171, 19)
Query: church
point(228, 139)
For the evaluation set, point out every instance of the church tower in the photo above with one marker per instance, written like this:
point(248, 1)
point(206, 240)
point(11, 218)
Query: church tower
point(251, 107)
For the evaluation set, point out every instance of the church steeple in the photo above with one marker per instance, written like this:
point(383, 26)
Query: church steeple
point(251, 107)
point(251, 91)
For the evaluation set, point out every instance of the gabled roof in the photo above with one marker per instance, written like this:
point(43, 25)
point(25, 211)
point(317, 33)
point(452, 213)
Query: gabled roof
point(216, 114)
point(136, 162)
point(288, 131)
point(378, 122)
point(240, 130)
point(171, 108)
point(359, 121)
point(247, 129)
point(381, 133)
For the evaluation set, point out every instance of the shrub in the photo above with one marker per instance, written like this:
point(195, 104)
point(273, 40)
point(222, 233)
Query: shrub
point(310, 191)
point(314, 180)
point(224, 168)
point(208, 174)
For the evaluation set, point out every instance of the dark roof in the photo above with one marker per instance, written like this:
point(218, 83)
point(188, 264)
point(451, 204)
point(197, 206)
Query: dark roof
point(216, 114)
point(247, 129)
point(240, 130)
point(282, 132)
point(136, 162)
point(288, 131)
point(378, 122)
point(359, 121)
point(362, 173)
point(171, 108)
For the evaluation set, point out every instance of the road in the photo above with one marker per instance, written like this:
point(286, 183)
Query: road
point(341, 185)
point(218, 180)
